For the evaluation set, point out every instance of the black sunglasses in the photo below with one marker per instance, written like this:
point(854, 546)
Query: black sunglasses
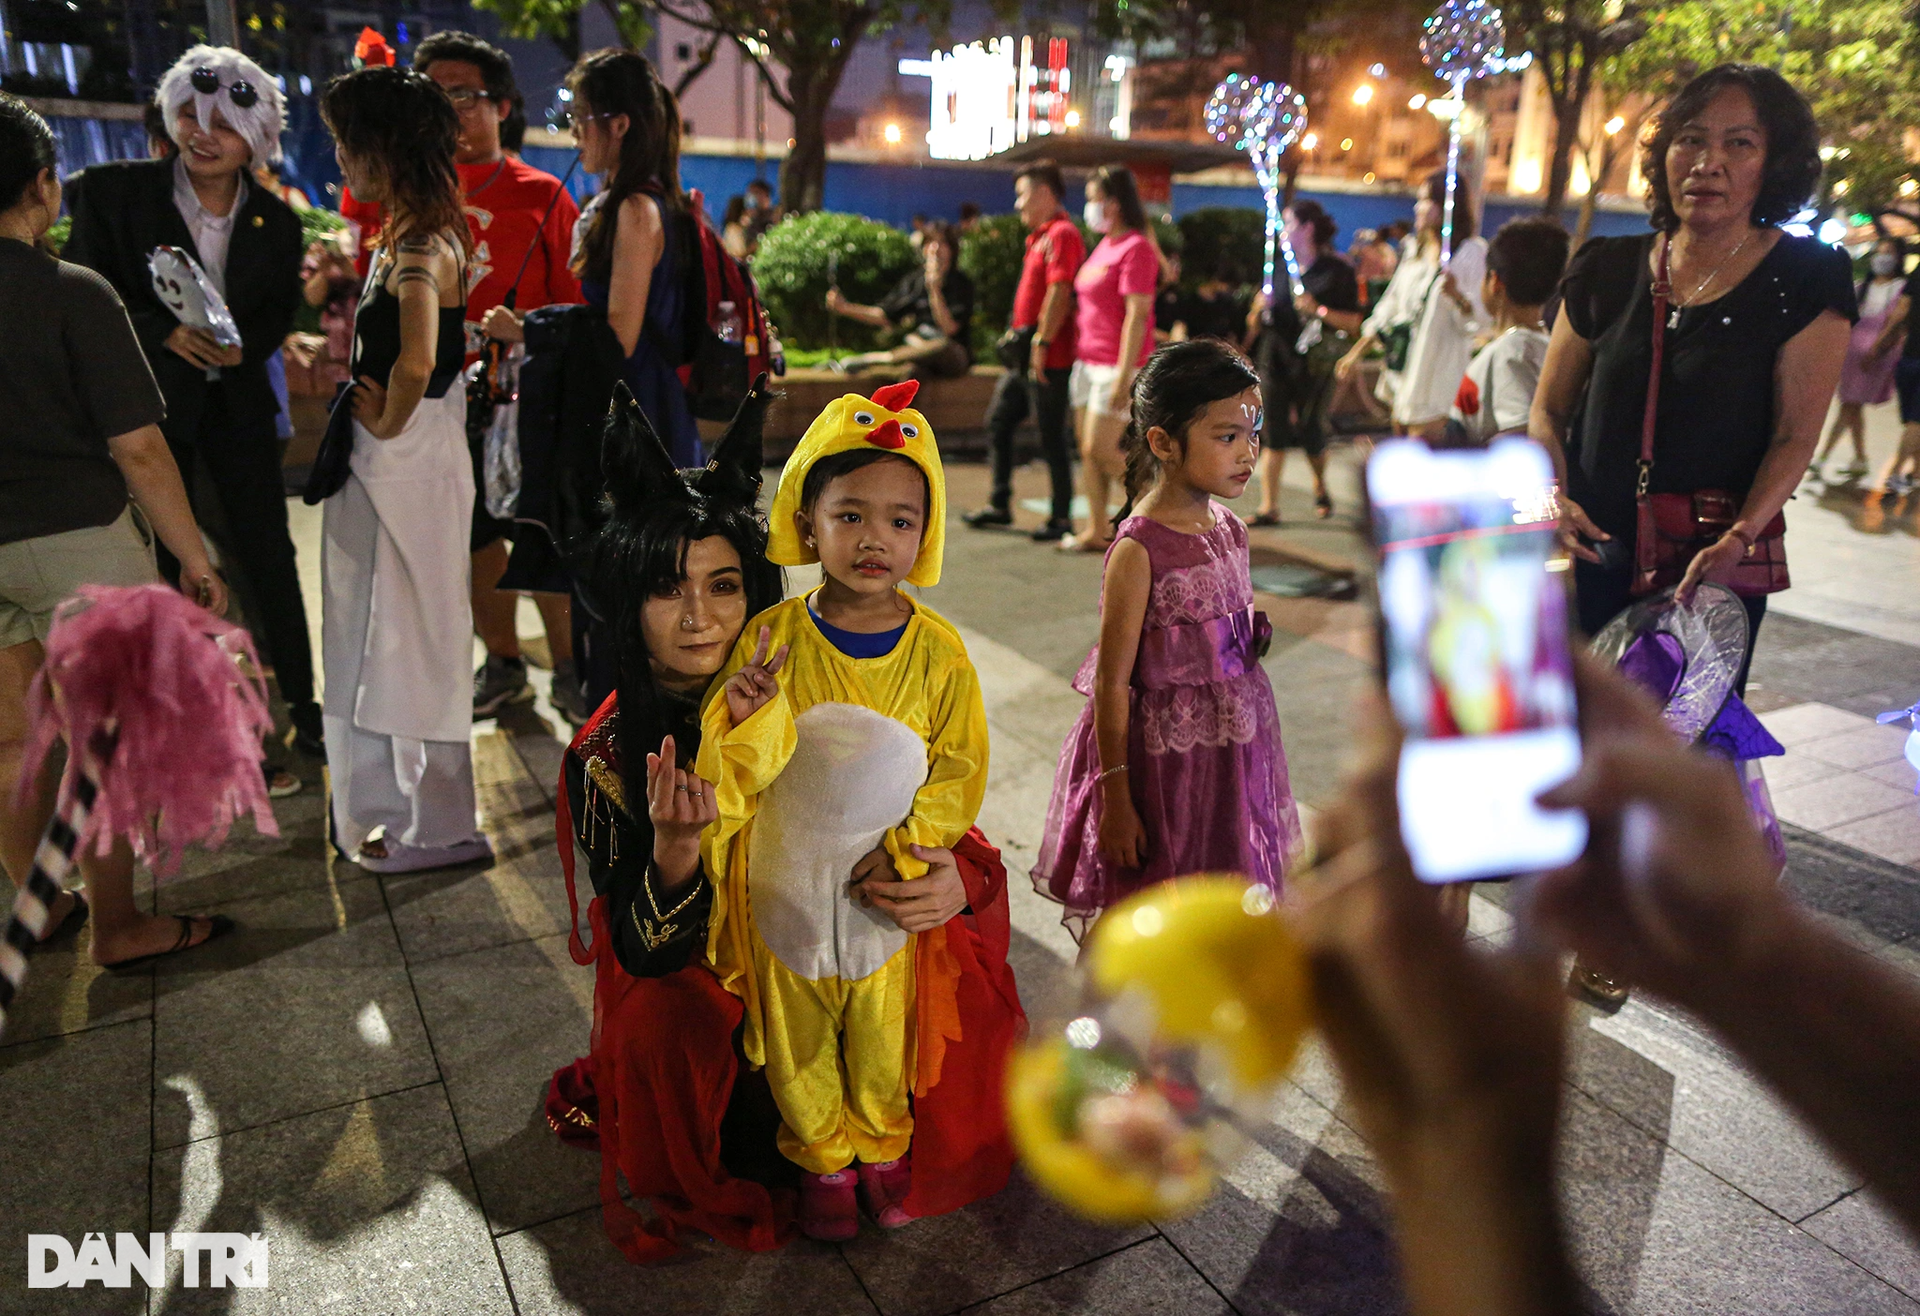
point(241, 93)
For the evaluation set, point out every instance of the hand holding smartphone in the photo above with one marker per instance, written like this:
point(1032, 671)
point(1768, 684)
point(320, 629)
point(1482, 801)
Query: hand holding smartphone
point(1476, 654)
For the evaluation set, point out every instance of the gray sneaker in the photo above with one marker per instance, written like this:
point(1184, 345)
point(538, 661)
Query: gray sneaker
point(499, 682)
point(570, 695)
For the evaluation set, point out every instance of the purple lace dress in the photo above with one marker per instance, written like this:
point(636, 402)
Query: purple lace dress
point(1203, 740)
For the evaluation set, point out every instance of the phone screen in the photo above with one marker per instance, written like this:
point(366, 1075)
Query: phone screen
point(1478, 667)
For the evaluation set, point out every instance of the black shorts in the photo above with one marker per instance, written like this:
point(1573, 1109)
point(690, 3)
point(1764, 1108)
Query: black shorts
point(1906, 382)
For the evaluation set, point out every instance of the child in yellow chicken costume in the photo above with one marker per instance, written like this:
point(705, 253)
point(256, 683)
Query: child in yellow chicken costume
point(864, 730)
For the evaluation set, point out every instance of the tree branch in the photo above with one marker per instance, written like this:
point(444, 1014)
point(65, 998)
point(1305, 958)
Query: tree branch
point(707, 54)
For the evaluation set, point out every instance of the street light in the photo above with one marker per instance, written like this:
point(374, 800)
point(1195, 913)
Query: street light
point(1418, 102)
point(1614, 125)
point(1310, 141)
point(1073, 118)
point(893, 134)
point(1363, 94)
point(1346, 143)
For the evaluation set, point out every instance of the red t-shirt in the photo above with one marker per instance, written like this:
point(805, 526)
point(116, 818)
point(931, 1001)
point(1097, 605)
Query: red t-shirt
point(365, 216)
point(504, 202)
point(1053, 256)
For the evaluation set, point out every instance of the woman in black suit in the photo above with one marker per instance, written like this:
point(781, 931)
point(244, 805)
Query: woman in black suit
point(226, 114)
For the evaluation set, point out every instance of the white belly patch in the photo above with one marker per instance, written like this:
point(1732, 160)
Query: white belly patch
point(852, 777)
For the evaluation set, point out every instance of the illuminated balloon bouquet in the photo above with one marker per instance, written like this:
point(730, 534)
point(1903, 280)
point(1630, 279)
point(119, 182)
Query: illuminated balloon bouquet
point(1197, 994)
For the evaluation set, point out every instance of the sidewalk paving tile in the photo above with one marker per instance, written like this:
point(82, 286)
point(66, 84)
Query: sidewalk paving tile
point(1872, 899)
point(519, 896)
point(1299, 1223)
point(1821, 805)
point(1147, 1279)
point(1655, 1071)
point(1893, 835)
point(66, 992)
point(568, 1267)
point(502, 1020)
point(944, 1263)
point(366, 1208)
point(1654, 1234)
point(306, 1006)
point(1861, 1229)
point(1898, 773)
point(74, 1142)
point(1800, 723)
point(1863, 747)
point(1797, 768)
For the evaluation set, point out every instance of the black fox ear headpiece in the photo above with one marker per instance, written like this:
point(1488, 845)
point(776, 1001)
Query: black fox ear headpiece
point(639, 470)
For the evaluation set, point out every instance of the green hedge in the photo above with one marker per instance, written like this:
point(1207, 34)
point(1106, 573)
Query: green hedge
point(991, 255)
point(791, 269)
point(1232, 240)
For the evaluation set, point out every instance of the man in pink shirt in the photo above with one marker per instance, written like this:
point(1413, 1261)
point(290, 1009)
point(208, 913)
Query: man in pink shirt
point(1038, 350)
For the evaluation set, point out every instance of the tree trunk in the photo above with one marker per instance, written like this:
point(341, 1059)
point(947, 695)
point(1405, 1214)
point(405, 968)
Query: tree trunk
point(1567, 109)
point(1589, 204)
point(1566, 128)
point(567, 38)
point(803, 174)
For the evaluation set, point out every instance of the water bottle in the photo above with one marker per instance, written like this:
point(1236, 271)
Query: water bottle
point(731, 328)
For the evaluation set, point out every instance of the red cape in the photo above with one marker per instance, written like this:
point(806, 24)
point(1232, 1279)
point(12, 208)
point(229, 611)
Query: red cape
point(663, 1069)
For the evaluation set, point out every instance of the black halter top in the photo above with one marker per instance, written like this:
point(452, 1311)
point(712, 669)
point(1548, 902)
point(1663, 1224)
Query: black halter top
point(376, 335)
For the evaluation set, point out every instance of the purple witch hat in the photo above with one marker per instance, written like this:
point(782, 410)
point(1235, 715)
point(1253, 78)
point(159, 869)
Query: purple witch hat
point(1689, 657)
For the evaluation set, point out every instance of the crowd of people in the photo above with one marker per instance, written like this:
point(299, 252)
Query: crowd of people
point(799, 936)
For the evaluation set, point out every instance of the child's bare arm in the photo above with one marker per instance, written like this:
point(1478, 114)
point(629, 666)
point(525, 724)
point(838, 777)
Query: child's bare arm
point(1123, 610)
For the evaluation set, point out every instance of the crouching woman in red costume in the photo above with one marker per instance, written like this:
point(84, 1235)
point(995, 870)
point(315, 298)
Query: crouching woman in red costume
point(665, 1094)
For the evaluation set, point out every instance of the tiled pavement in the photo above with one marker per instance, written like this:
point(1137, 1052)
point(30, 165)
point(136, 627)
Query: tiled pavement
point(358, 1073)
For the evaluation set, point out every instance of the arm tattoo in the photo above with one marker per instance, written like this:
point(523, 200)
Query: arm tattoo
point(414, 274)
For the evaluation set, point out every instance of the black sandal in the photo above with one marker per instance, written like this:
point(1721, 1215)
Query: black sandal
point(221, 926)
point(1323, 505)
point(1264, 518)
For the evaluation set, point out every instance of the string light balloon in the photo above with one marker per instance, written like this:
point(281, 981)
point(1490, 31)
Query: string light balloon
point(1263, 119)
point(1462, 40)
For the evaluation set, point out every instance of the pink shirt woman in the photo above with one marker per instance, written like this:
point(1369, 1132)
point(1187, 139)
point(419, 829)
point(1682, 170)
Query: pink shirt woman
point(1113, 331)
point(1123, 265)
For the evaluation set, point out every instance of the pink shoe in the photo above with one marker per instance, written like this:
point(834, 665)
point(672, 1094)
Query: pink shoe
point(828, 1210)
point(884, 1186)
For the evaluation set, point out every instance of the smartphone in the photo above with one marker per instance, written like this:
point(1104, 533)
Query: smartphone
point(1476, 655)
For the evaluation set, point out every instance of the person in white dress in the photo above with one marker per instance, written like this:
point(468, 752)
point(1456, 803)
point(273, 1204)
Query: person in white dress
point(396, 635)
point(1452, 313)
point(1424, 321)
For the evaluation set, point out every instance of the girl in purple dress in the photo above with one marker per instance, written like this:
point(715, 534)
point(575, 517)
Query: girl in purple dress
point(1175, 766)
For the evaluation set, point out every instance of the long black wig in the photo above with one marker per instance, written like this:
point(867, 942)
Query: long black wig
point(653, 511)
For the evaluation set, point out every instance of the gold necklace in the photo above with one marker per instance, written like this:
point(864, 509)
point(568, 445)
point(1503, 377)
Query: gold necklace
point(1679, 304)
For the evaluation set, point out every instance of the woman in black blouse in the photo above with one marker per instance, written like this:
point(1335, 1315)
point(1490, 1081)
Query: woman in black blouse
point(1757, 328)
point(1296, 363)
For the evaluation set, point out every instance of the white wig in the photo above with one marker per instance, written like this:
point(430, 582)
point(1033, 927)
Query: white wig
point(260, 124)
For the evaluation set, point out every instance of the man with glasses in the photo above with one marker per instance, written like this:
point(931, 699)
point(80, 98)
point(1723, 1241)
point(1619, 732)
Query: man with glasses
point(522, 219)
point(225, 114)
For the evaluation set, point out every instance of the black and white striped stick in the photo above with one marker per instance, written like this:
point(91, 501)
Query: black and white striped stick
point(53, 861)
